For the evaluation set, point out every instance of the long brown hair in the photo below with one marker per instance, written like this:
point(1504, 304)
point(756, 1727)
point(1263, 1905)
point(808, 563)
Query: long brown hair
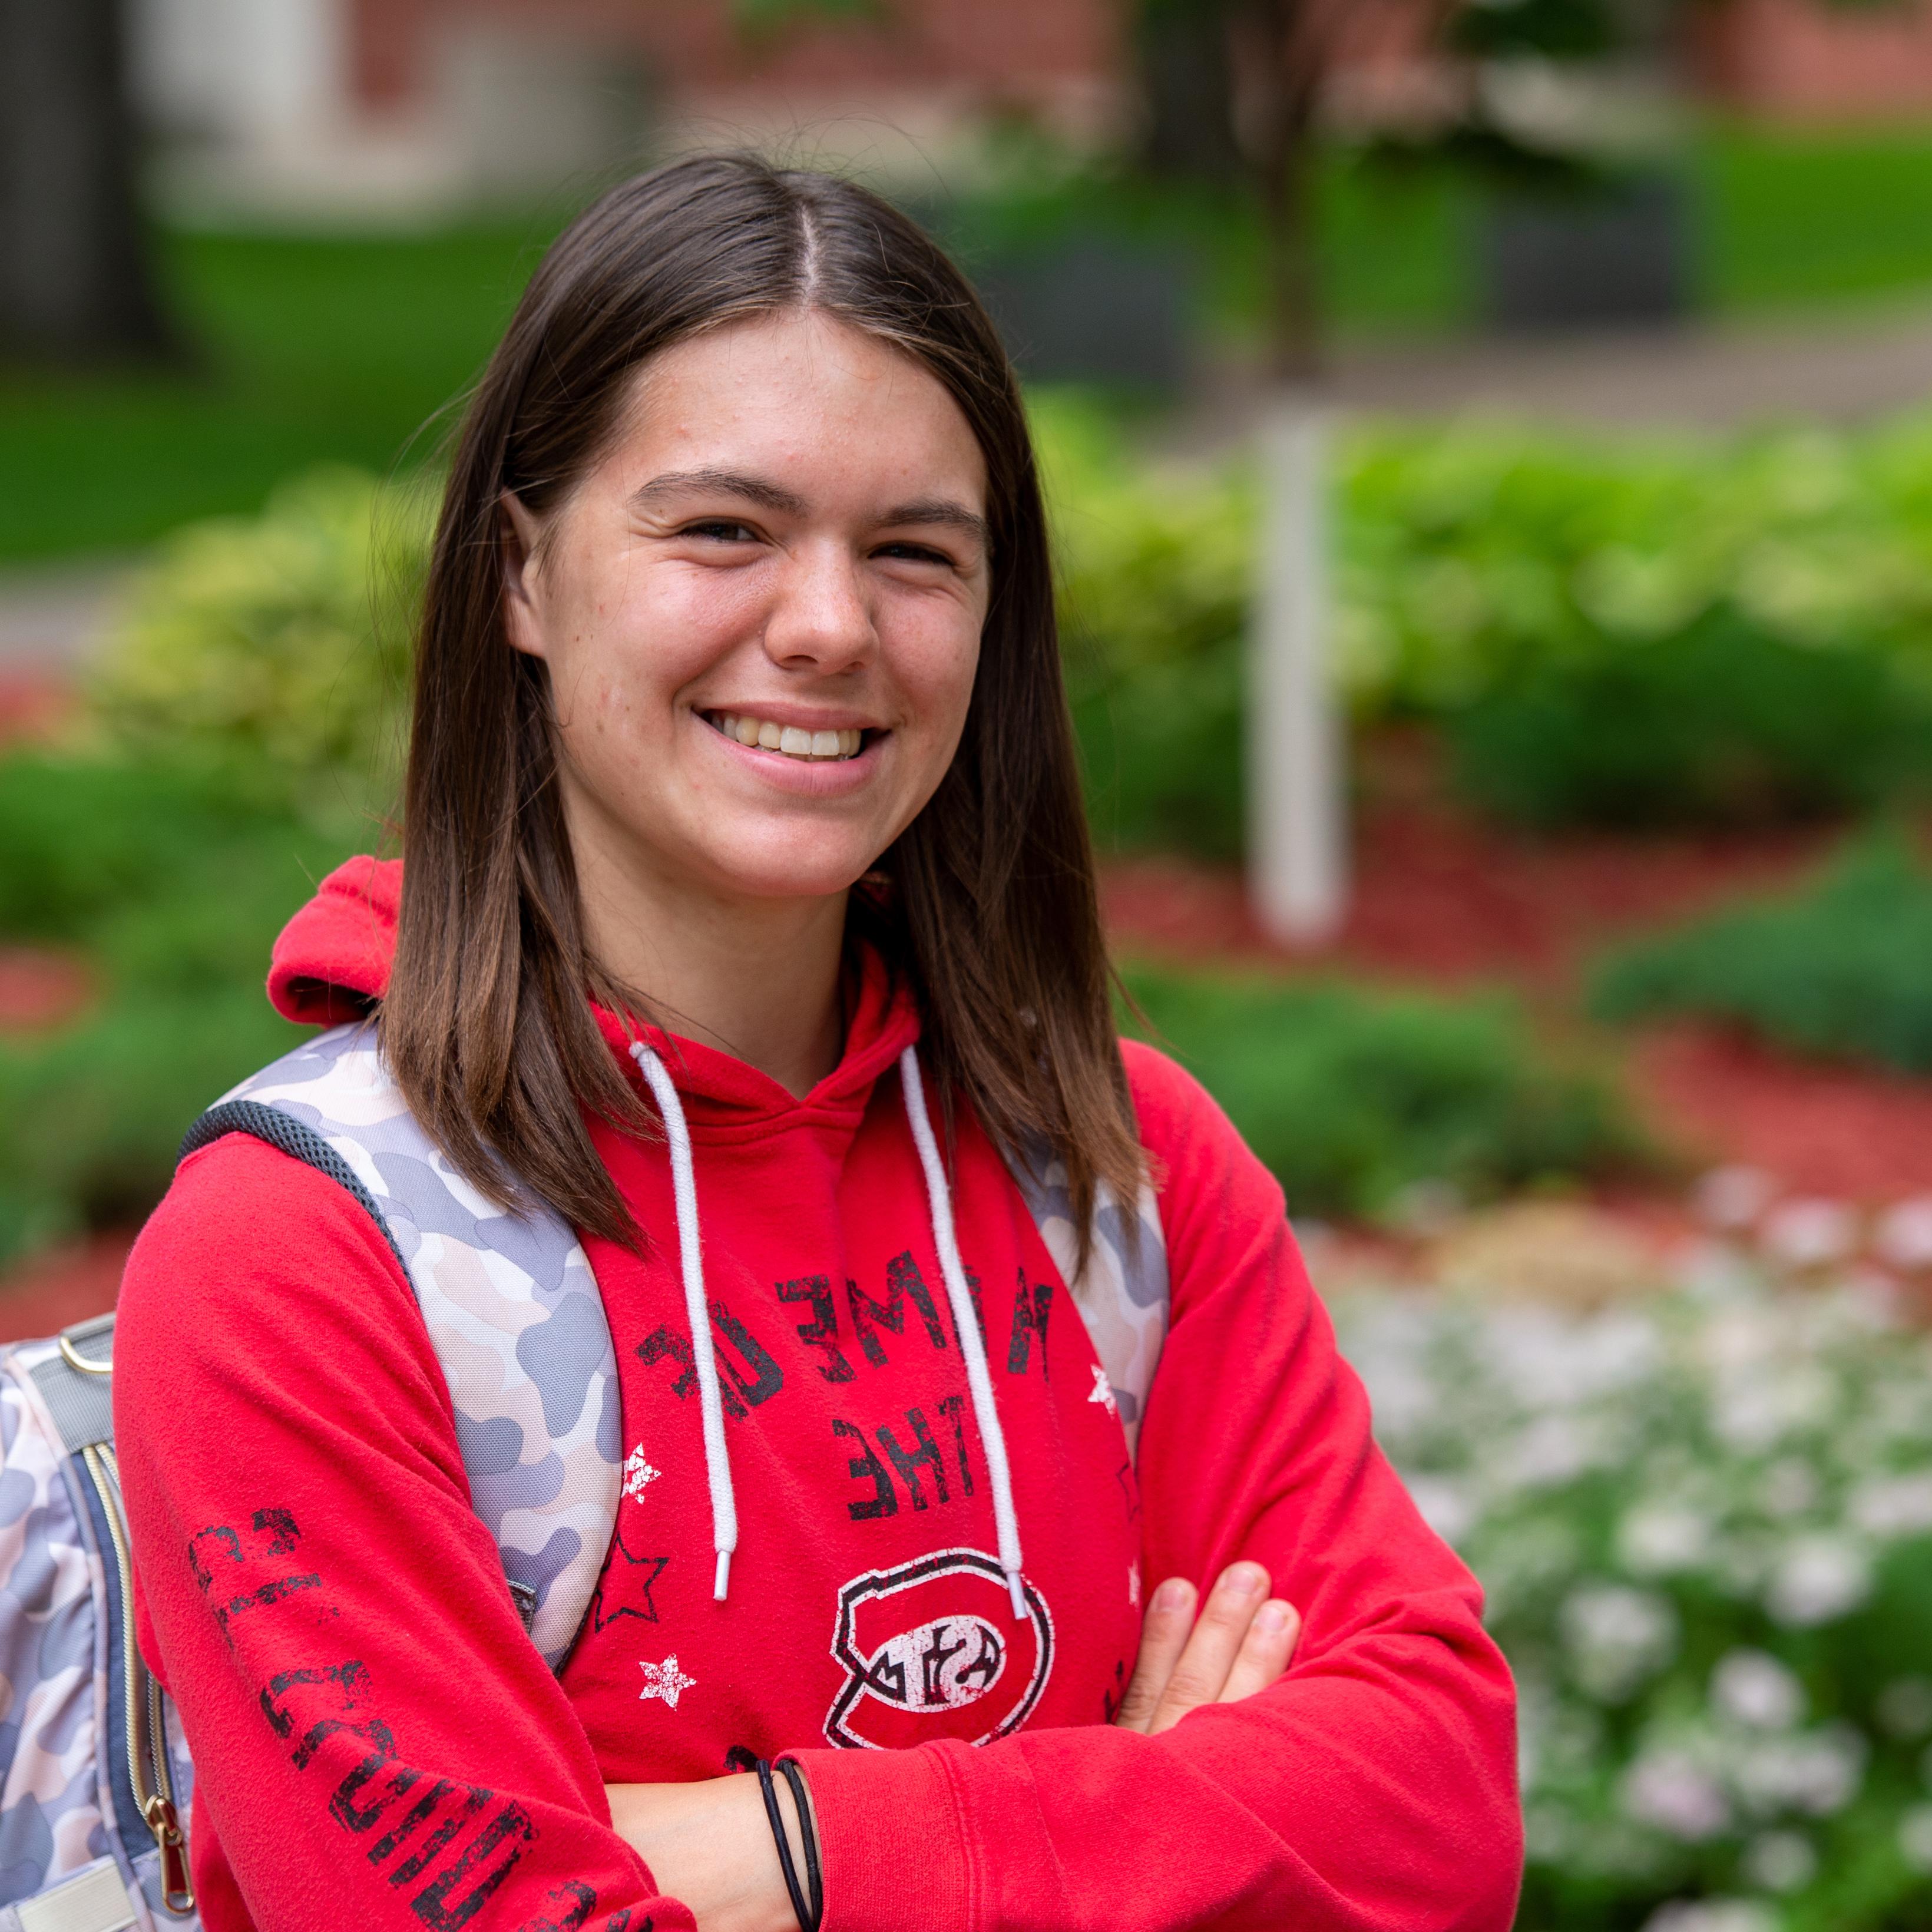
point(990, 902)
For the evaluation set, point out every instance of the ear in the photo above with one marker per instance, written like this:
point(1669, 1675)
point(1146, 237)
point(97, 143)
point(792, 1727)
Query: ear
point(520, 533)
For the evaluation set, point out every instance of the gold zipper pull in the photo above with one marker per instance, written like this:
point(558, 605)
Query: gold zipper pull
point(177, 1883)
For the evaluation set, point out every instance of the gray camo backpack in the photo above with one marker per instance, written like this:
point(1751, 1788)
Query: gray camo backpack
point(95, 1776)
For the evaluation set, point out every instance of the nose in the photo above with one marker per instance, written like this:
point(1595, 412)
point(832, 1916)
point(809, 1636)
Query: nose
point(822, 620)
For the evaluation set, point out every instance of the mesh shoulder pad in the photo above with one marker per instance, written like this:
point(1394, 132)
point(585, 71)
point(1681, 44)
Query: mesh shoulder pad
point(511, 1307)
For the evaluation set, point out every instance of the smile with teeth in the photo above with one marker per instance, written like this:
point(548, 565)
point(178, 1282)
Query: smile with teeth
point(791, 740)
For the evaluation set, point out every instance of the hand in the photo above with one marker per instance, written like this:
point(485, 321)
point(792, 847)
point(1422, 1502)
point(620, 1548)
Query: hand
point(1241, 1643)
point(710, 1844)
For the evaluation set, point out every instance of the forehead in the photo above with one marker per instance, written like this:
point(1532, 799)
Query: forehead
point(800, 398)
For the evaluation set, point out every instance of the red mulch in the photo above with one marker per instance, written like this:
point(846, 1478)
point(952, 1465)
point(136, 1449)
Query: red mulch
point(34, 704)
point(1438, 897)
point(65, 1285)
point(1841, 1131)
point(40, 988)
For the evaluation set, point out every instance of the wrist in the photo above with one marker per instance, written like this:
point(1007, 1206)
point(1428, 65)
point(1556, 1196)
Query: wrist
point(787, 1805)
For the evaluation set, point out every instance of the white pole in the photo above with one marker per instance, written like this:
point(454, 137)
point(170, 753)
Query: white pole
point(1297, 860)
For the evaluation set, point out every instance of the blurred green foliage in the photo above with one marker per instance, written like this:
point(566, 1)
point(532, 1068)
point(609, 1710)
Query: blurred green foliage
point(1719, 723)
point(169, 879)
point(1612, 631)
point(1838, 970)
point(1351, 1096)
point(285, 636)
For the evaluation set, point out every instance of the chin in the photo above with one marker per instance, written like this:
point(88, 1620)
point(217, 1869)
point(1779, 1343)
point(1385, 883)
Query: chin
point(768, 875)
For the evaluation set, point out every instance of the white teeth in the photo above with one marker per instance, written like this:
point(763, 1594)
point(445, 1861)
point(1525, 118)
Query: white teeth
point(791, 739)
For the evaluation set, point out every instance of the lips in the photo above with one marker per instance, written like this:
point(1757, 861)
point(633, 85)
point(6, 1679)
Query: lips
point(790, 741)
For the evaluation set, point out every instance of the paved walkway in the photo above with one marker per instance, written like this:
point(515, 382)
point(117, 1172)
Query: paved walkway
point(52, 616)
point(1839, 369)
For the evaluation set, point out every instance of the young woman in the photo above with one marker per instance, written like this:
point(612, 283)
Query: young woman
point(746, 921)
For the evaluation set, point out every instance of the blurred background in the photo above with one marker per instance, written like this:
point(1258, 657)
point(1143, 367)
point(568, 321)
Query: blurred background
point(1490, 447)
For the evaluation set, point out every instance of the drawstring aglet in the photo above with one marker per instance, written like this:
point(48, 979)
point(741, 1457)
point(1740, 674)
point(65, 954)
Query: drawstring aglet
point(1018, 1594)
point(724, 1578)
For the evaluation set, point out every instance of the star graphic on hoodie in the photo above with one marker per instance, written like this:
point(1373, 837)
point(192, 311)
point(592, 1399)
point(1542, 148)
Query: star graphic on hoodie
point(666, 1681)
point(1103, 1391)
point(626, 1583)
point(637, 1472)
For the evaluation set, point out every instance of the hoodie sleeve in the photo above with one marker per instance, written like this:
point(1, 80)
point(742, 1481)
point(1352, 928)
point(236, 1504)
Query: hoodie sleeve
point(1371, 1789)
point(376, 1743)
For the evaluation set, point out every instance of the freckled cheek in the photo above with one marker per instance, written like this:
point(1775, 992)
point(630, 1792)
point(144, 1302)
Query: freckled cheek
point(713, 602)
point(934, 665)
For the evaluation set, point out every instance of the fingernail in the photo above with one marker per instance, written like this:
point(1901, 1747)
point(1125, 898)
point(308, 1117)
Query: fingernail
point(1173, 1594)
point(1245, 1579)
point(1274, 1618)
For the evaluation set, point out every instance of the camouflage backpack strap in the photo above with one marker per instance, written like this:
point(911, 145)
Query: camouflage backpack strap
point(1122, 1293)
point(511, 1307)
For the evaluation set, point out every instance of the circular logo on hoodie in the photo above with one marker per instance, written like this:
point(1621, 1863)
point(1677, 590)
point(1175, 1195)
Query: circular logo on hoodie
point(930, 1650)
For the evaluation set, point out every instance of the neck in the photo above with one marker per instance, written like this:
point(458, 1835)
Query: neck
point(757, 978)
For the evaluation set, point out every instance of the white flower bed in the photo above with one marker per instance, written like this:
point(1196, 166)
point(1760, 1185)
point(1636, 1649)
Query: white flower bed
point(1704, 1521)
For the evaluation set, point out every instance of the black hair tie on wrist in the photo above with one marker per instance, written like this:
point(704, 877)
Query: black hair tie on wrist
point(807, 1918)
point(814, 1880)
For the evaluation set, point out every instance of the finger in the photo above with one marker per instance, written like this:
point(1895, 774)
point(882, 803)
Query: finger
point(1265, 1651)
point(1170, 1616)
point(1211, 1650)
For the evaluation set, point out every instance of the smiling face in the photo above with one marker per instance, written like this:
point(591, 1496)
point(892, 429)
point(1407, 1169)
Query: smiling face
point(761, 613)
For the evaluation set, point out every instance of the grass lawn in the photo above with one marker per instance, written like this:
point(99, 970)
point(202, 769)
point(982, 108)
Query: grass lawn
point(310, 348)
point(315, 348)
point(1787, 220)
point(1794, 219)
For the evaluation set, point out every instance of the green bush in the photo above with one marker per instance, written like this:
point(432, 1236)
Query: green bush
point(283, 637)
point(171, 880)
point(1613, 630)
point(1153, 588)
point(1703, 1525)
point(1350, 1097)
point(1720, 724)
point(1840, 969)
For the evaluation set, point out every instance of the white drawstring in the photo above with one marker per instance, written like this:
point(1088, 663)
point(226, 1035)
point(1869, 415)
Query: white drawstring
point(966, 1325)
point(711, 1401)
point(703, 1354)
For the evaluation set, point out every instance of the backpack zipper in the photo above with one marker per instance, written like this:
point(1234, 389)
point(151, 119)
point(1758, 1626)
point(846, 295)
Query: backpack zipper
point(148, 1772)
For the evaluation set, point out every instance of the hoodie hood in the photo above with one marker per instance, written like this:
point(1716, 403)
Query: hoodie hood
point(332, 965)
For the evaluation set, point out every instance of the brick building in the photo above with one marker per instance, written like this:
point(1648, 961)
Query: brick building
point(418, 102)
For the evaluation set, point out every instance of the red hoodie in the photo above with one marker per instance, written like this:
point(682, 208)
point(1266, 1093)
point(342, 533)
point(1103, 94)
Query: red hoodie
point(276, 1389)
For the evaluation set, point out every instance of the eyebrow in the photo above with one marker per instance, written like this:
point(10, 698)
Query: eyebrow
point(724, 482)
point(937, 510)
point(788, 502)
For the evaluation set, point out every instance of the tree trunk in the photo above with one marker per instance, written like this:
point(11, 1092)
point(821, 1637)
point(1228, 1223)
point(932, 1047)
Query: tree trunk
point(1187, 90)
point(76, 281)
point(1281, 51)
point(1294, 339)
